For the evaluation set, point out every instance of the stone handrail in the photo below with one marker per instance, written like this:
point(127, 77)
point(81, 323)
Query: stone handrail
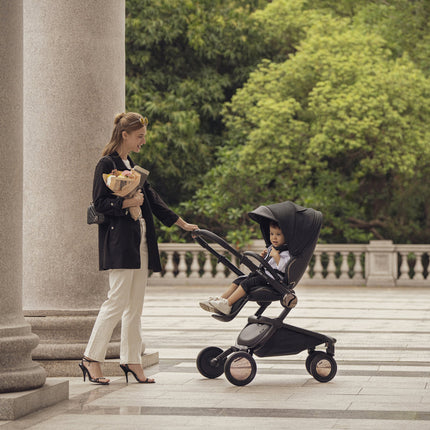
point(379, 263)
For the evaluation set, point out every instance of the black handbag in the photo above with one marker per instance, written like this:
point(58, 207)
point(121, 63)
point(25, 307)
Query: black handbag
point(94, 217)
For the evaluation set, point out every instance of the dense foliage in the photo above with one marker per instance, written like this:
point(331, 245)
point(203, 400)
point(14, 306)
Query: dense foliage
point(325, 103)
point(184, 60)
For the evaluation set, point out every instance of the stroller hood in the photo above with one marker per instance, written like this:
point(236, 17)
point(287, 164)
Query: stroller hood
point(300, 226)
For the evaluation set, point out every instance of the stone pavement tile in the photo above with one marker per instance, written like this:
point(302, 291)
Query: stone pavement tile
point(381, 424)
point(177, 422)
point(385, 405)
point(403, 392)
point(398, 382)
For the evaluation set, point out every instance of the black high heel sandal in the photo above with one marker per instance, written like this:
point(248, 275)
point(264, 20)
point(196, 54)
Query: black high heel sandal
point(126, 369)
point(86, 371)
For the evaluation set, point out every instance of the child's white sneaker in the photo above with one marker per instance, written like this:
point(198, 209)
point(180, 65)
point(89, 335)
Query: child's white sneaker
point(206, 305)
point(221, 306)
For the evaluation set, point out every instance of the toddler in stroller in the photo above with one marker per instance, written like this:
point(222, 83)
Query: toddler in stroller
point(277, 256)
point(269, 281)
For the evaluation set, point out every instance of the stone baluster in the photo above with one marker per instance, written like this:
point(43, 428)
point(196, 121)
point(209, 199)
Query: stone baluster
point(195, 268)
point(318, 268)
point(156, 275)
point(207, 267)
point(182, 265)
point(344, 268)
point(404, 267)
point(170, 267)
point(220, 271)
point(418, 269)
point(331, 267)
point(357, 270)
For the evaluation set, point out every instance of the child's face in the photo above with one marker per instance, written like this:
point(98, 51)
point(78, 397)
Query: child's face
point(276, 236)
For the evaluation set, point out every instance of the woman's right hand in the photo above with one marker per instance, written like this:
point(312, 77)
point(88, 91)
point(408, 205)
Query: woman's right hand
point(138, 197)
point(135, 201)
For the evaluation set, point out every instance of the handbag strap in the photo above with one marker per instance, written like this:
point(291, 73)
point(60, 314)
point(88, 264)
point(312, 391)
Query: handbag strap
point(111, 159)
point(114, 166)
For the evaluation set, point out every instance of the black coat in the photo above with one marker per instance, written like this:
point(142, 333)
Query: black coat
point(119, 236)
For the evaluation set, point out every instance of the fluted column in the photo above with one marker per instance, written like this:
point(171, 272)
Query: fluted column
point(17, 370)
point(74, 80)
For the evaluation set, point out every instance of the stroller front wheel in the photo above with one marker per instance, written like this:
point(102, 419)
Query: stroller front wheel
point(240, 368)
point(323, 367)
point(205, 364)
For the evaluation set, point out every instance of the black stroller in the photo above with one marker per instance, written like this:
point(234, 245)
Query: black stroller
point(263, 336)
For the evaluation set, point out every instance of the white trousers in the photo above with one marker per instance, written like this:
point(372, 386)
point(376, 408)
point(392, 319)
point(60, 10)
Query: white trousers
point(125, 302)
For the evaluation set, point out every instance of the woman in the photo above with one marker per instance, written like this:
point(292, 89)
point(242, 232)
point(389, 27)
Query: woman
point(127, 248)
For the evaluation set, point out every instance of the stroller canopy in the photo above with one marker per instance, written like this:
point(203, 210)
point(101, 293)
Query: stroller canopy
point(300, 226)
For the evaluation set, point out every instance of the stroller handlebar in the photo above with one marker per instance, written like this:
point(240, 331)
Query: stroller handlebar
point(200, 235)
point(196, 234)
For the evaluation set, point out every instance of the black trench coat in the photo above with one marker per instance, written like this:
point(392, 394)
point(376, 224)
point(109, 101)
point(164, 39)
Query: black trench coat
point(119, 236)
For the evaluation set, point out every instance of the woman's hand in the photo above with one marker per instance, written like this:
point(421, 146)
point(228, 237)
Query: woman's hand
point(135, 201)
point(186, 226)
point(138, 197)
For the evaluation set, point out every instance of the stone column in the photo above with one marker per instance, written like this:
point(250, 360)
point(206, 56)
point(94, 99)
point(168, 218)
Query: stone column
point(17, 371)
point(74, 81)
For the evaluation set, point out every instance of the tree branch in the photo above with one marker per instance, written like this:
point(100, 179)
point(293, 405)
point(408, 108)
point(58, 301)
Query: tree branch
point(368, 225)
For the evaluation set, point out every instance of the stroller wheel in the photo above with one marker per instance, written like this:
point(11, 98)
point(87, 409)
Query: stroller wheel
point(240, 368)
point(206, 366)
point(323, 367)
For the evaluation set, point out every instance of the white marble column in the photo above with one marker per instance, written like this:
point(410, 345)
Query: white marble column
point(17, 371)
point(74, 83)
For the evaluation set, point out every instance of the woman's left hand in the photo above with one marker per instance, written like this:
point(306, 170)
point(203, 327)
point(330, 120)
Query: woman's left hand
point(186, 226)
point(189, 227)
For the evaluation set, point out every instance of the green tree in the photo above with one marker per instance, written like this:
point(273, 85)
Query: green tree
point(340, 125)
point(404, 24)
point(184, 60)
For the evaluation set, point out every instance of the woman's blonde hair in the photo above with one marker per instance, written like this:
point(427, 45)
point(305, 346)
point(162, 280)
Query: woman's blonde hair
point(128, 122)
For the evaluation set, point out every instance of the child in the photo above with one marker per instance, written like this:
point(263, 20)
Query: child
point(276, 255)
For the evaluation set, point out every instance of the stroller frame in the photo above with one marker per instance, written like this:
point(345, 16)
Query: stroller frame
point(262, 336)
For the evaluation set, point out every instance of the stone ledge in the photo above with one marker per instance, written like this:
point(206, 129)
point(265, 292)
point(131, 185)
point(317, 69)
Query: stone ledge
point(70, 368)
point(16, 405)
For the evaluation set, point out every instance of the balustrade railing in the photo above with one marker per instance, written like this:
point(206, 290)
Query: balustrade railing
point(380, 263)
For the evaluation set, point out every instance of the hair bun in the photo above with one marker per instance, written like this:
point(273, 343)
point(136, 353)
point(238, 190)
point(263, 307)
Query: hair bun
point(118, 117)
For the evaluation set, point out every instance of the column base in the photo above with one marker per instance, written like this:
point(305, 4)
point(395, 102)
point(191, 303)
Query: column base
point(16, 405)
point(64, 334)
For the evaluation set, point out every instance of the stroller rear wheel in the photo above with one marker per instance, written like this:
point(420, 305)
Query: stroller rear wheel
point(205, 364)
point(240, 368)
point(323, 367)
point(309, 359)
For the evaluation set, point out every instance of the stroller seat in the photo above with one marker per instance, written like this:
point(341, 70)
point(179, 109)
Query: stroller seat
point(274, 290)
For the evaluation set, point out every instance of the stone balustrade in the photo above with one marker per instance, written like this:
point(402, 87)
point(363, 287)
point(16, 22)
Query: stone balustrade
point(379, 263)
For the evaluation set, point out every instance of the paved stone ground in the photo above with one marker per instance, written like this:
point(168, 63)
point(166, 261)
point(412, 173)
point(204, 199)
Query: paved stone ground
point(382, 352)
